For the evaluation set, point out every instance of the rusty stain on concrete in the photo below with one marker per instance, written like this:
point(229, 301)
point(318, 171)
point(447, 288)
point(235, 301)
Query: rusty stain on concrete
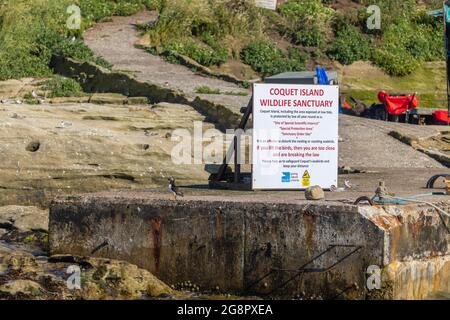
point(156, 224)
point(418, 279)
point(218, 225)
point(310, 219)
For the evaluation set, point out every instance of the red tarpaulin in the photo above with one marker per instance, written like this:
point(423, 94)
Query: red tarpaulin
point(441, 116)
point(398, 104)
point(347, 105)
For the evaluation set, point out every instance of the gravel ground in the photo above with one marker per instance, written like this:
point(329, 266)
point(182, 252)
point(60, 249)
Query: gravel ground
point(366, 143)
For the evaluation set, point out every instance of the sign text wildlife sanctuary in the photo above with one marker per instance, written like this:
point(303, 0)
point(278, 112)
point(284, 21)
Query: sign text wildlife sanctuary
point(295, 136)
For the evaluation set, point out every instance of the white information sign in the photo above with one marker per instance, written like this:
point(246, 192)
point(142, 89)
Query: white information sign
point(295, 136)
point(267, 4)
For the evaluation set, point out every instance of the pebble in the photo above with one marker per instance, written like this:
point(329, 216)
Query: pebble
point(314, 193)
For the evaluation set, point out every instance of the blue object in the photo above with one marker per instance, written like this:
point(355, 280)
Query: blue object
point(404, 200)
point(389, 201)
point(322, 77)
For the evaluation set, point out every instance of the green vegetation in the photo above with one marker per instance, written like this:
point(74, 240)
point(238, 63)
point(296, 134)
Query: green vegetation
point(408, 36)
point(97, 10)
point(200, 52)
point(63, 87)
point(208, 90)
point(306, 22)
point(211, 32)
point(349, 46)
point(267, 59)
point(29, 99)
point(207, 31)
point(299, 33)
point(406, 46)
point(32, 30)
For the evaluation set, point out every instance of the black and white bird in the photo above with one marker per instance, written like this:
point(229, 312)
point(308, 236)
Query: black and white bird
point(174, 189)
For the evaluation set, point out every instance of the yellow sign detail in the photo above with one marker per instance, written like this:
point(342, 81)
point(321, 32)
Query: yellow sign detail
point(306, 179)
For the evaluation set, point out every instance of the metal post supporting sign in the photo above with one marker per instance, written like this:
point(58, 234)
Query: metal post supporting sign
point(447, 48)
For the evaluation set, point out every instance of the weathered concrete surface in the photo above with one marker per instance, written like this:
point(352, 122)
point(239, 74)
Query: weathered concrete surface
point(420, 279)
point(234, 243)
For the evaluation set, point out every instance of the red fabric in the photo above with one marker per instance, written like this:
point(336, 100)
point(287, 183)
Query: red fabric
point(347, 105)
point(441, 116)
point(398, 104)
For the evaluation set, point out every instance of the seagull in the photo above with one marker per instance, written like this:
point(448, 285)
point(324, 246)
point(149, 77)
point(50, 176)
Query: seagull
point(64, 124)
point(17, 116)
point(148, 133)
point(347, 184)
point(174, 189)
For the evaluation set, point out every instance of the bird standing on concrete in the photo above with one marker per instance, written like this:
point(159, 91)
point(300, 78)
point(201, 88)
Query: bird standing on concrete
point(174, 189)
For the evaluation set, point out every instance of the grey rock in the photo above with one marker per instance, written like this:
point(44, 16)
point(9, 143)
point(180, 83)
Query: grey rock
point(314, 193)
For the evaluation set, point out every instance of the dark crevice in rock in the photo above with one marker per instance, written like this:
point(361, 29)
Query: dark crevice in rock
point(33, 146)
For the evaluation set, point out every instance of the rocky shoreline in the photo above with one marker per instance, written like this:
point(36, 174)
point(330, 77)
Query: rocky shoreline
point(28, 272)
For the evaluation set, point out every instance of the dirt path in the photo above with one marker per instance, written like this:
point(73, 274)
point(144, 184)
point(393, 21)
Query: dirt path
point(114, 40)
point(366, 143)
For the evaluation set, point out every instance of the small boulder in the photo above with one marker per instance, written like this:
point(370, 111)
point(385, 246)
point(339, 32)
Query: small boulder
point(314, 193)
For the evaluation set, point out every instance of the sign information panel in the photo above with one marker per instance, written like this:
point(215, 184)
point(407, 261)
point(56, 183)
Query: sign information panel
point(295, 136)
point(267, 4)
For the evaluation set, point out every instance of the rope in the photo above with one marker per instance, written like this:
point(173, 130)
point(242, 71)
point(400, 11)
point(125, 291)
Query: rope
point(439, 210)
point(421, 201)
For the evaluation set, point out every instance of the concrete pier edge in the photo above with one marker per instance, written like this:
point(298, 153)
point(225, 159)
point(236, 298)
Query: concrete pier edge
point(311, 249)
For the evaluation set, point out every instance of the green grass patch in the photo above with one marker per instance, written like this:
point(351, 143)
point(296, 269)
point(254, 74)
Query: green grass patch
point(267, 59)
point(209, 90)
point(63, 87)
point(198, 51)
point(29, 99)
point(31, 31)
point(306, 22)
point(211, 32)
point(350, 45)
